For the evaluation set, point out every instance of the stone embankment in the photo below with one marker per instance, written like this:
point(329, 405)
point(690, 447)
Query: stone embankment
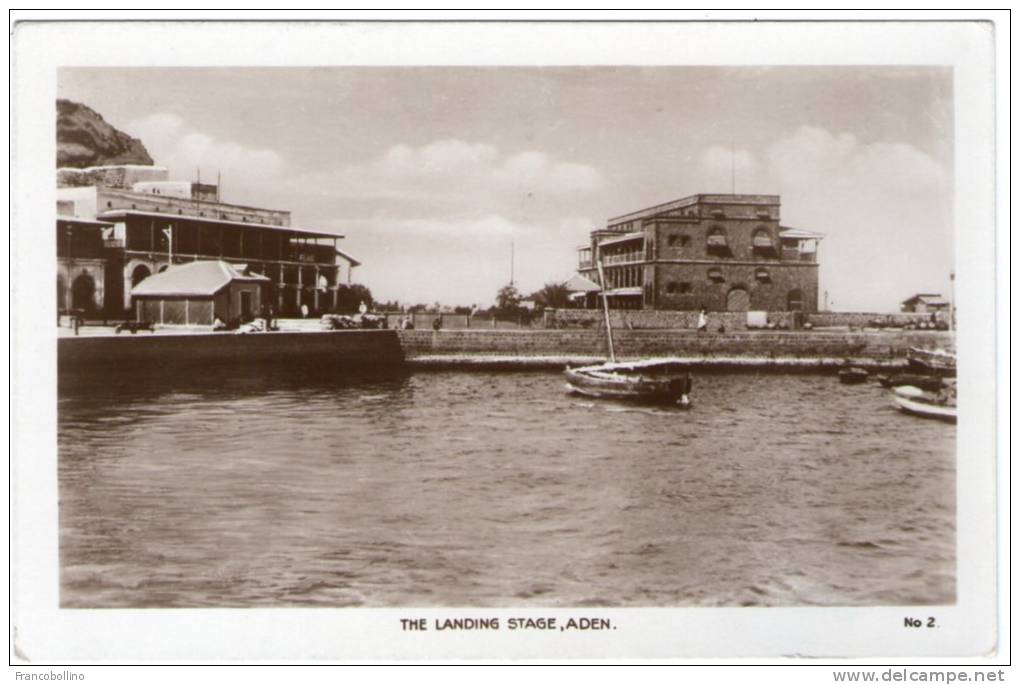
point(805, 350)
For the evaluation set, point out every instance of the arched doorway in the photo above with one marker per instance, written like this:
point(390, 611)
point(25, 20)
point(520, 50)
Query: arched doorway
point(83, 292)
point(738, 300)
point(140, 273)
point(795, 301)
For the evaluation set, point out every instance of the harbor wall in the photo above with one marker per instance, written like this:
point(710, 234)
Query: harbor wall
point(730, 321)
point(355, 348)
point(872, 345)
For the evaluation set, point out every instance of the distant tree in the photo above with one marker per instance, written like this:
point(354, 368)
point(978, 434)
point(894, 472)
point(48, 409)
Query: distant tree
point(415, 308)
point(462, 310)
point(350, 297)
point(508, 300)
point(552, 295)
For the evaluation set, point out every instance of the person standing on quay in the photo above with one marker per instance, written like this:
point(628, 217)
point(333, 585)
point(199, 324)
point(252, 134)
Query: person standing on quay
point(702, 320)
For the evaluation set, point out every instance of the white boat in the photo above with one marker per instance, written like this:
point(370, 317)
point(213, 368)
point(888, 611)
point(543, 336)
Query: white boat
point(915, 401)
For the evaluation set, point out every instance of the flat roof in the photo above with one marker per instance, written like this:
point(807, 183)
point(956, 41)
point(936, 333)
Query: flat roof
point(85, 222)
point(123, 213)
point(744, 198)
point(787, 232)
point(626, 237)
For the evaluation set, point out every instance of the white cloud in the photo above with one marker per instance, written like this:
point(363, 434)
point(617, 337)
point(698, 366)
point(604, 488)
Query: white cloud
point(811, 155)
point(453, 172)
point(173, 143)
point(537, 172)
point(443, 157)
point(725, 167)
point(461, 261)
point(885, 207)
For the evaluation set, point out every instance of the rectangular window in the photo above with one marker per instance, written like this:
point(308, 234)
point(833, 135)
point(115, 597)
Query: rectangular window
point(685, 288)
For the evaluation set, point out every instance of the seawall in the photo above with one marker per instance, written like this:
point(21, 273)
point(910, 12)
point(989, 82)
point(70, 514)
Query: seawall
point(782, 350)
point(354, 348)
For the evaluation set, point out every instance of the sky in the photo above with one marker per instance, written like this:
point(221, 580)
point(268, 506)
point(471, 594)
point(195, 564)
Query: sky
point(437, 175)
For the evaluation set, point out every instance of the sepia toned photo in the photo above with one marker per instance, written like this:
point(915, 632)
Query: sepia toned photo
point(516, 338)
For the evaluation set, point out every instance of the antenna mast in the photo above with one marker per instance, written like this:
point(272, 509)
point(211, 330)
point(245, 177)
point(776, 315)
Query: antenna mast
point(733, 169)
point(511, 261)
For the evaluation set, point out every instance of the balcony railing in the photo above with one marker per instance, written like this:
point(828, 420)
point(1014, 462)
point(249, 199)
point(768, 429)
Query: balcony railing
point(795, 255)
point(623, 258)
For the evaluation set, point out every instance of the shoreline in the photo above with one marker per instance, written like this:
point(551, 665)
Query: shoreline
point(800, 351)
point(490, 362)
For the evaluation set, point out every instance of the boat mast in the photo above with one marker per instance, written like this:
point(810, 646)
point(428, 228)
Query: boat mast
point(605, 310)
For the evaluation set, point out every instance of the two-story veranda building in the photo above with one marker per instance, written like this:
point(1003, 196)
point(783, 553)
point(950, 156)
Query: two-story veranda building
point(146, 227)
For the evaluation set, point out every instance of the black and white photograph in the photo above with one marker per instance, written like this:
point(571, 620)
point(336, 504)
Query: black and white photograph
point(523, 353)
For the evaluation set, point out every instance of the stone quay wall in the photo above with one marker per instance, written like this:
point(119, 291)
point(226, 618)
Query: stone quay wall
point(881, 347)
point(354, 348)
point(730, 321)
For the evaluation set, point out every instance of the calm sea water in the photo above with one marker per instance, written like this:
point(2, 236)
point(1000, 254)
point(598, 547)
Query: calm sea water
point(289, 488)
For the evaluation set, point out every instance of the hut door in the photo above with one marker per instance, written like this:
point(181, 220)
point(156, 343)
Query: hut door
point(738, 300)
point(246, 312)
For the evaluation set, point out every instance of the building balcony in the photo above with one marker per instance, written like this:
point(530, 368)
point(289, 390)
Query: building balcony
point(795, 255)
point(625, 258)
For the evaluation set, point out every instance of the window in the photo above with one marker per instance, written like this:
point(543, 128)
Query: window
point(686, 288)
point(671, 287)
point(761, 239)
point(762, 275)
point(716, 243)
point(715, 275)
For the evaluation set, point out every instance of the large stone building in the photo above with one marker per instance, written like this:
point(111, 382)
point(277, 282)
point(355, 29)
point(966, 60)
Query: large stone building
point(720, 252)
point(117, 225)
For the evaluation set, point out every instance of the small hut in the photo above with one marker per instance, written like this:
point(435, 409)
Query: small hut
point(197, 293)
point(925, 303)
point(582, 292)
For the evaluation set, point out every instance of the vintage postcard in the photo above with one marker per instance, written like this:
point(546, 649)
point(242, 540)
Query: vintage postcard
point(383, 341)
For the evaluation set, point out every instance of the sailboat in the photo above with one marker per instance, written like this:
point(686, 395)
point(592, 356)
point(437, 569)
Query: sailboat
point(648, 380)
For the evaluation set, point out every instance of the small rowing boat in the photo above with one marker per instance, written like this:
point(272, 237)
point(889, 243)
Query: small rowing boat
point(931, 362)
point(928, 383)
point(915, 401)
point(852, 375)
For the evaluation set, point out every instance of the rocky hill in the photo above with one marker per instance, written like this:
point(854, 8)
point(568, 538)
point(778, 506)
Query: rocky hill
point(84, 139)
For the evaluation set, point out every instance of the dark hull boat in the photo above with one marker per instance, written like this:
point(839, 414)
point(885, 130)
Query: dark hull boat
point(931, 362)
point(928, 383)
point(852, 375)
point(645, 381)
point(648, 380)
